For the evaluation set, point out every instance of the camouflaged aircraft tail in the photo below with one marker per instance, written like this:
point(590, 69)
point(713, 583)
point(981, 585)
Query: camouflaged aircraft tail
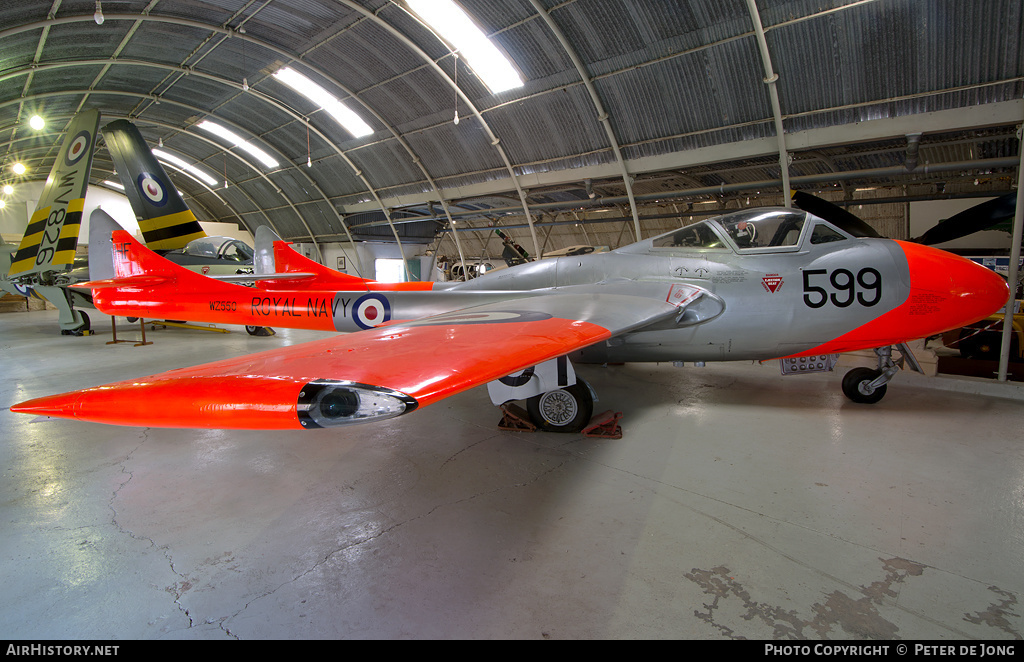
point(52, 234)
point(165, 220)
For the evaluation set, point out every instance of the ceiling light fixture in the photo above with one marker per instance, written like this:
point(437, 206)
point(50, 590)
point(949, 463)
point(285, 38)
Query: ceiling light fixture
point(98, 16)
point(19, 168)
point(36, 122)
point(8, 189)
point(325, 100)
point(238, 141)
point(183, 165)
point(455, 26)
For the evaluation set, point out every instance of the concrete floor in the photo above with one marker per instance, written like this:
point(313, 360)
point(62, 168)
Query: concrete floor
point(739, 503)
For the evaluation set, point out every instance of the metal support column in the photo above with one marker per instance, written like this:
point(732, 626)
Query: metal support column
point(1014, 273)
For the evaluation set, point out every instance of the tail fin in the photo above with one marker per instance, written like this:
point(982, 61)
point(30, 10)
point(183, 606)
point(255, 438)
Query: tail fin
point(132, 265)
point(101, 257)
point(165, 220)
point(169, 289)
point(274, 256)
point(52, 233)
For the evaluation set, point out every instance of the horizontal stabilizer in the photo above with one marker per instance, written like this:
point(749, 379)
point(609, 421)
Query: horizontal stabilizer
point(133, 282)
point(248, 278)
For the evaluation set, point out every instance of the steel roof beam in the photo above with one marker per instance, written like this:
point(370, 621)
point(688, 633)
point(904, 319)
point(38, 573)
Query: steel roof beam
point(476, 112)
point(602, 114)
point(771, 79)
point(230, 32)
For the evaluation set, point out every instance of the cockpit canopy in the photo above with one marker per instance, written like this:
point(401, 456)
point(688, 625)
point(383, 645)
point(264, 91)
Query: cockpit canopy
point(221, 248)
point(753, 230)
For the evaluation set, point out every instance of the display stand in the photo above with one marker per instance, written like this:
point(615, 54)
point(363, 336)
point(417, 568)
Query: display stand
point(142, 325)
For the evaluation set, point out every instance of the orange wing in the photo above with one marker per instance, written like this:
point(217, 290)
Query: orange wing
point(369, 375)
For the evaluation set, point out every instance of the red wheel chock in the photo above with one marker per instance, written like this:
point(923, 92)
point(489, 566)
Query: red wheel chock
point(605, 425)
point(515, 418)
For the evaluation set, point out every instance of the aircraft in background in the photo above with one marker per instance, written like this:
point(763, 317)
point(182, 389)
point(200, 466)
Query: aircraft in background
point(755, 284)
point(167, 224)
point(995, 214)
point(44, 261)
point(43, 269)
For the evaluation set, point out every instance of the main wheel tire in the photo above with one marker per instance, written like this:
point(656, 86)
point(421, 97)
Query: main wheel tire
point(259, 330)
point(565, 410)
point(853, 380)
point(80, 330)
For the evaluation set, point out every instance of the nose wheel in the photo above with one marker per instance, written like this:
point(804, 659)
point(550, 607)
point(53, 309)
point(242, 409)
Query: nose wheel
point(867, 386)
point(857, 386)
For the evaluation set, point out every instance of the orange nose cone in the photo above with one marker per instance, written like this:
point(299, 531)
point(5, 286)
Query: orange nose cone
point(61, 406)
point(948, 291)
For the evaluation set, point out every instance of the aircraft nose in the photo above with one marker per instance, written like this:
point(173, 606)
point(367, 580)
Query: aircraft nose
point(949, 291)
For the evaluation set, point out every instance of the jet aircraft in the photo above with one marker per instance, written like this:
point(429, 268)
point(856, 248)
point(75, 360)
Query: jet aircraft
point(755, 284)
point(38, 269)
point(167, 224)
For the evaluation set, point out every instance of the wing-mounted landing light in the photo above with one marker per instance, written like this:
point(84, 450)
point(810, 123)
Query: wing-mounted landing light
point(329, 403)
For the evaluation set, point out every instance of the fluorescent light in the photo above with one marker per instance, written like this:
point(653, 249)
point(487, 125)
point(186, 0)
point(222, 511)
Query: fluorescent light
point(113, 184)
point(180, 163)
point(459, 30)
point(238, 141)
point(324, 99)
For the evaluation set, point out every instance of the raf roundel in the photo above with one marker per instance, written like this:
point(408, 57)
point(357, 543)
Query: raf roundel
point(152, 189)
point(371, 310)
point(79, 147)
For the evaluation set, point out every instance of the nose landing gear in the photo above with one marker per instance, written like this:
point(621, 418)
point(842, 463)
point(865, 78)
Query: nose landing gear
point(867, 386)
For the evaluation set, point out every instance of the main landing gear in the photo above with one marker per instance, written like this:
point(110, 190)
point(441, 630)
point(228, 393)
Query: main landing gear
point(83, 328)
point(868, 386)
point(259, 330)
point(564, 410)
point(556, 399)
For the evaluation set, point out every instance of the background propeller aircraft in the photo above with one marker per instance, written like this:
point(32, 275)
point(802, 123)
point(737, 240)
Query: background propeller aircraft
point(46, 263)
point(750, 285)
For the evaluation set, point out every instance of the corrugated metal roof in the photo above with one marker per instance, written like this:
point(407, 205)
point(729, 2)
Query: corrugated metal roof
point(681, 82)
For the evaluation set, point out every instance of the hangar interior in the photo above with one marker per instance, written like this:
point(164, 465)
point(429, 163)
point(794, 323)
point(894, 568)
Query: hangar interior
point(738, 504)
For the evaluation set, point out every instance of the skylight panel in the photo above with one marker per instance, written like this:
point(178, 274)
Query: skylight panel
point(238, 141)
point(183, 165)
point(458, 29)
point(325, 100)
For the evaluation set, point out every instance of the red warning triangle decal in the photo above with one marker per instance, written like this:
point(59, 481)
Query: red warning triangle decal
point(772, 282)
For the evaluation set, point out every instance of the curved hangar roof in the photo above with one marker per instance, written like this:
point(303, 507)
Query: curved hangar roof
point(632, 116)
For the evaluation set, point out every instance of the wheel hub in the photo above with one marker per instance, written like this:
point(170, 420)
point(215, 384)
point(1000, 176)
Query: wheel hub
point(558, 407)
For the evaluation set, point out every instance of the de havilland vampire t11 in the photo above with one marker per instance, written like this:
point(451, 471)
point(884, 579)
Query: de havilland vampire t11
point(755, 284)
